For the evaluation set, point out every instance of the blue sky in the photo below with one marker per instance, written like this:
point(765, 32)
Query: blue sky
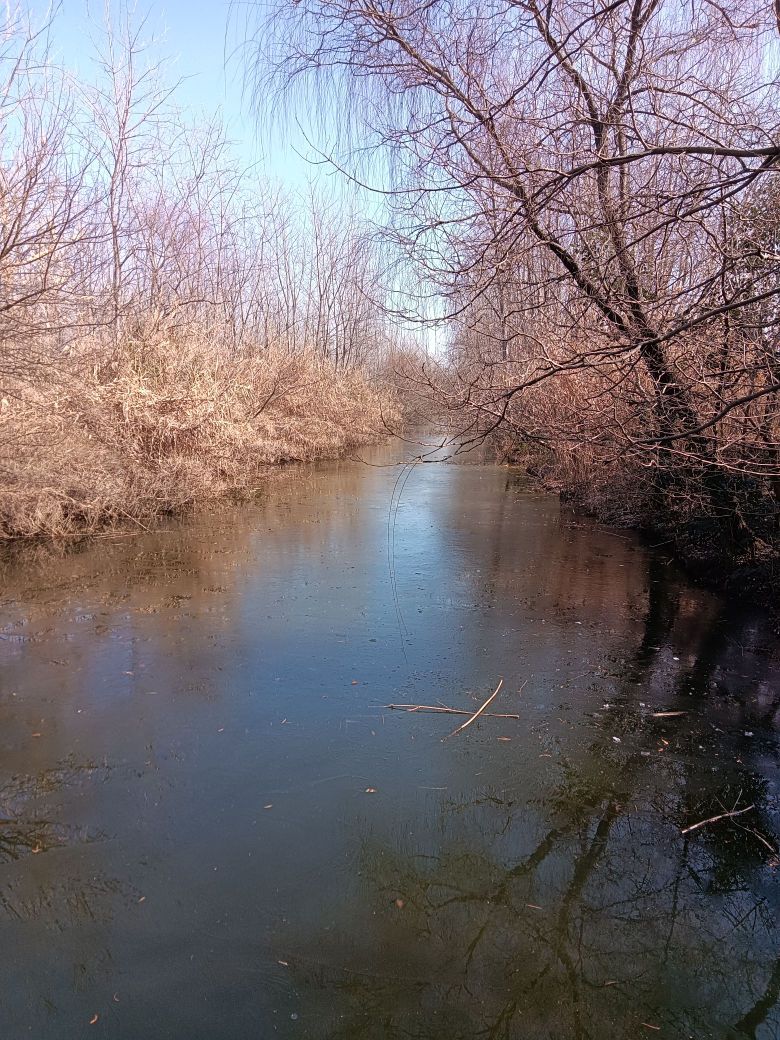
point(199, 38)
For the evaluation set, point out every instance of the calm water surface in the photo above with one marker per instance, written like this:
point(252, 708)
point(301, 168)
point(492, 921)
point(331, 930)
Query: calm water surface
point(211, 828)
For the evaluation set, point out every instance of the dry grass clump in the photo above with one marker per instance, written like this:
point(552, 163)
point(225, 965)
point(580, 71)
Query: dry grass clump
point(166, 424)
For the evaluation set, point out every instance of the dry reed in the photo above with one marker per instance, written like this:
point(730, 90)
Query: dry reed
point(164, 425)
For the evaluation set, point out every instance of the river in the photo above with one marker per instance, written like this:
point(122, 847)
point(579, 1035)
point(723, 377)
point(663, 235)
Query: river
point(212, 828)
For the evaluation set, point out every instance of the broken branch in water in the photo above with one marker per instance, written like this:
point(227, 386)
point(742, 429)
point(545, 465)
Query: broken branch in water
point(443, 709)
point(714, 819)
point(478, 712)
point(760, 836)
point(472, 716)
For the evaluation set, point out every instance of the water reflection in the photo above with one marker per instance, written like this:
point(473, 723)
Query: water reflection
point(209, 822)
point(586, 912)
point(23, 829)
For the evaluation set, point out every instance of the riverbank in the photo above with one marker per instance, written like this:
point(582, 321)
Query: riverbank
point(162, 426)
point(705, 547)
point(732, 549)
point(709, 562)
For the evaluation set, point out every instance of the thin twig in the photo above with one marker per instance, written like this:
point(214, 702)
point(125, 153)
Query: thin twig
point(714, 819)
point(478, 712)
point(135, 520)
point(444, 710)
point(760, 836)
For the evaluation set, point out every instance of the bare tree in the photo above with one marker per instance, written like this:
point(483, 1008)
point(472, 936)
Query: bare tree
point(571, 177)
point(47, 202)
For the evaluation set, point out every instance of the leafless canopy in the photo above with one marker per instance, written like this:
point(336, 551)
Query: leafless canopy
point(590, 188)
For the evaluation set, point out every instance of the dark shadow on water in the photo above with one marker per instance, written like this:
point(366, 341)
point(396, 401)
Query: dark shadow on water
point(586, 913)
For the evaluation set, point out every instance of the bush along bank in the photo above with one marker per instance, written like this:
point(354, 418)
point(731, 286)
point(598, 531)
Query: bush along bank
point(167, 425)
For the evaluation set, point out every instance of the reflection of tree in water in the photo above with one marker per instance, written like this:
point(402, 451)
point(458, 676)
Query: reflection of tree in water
point(601, 925)
point(28, 827)
point(19, 837)
point(589, 914)
point(23, 829)
point(52, 886)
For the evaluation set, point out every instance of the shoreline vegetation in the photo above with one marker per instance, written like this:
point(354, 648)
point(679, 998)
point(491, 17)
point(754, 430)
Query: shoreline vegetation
point(171, 322)
point(592, 245)
point(170, 425)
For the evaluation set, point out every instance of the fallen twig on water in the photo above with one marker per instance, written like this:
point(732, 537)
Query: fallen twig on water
point(714, 819)
point(666, 714)
point(761, 838)
point(443, 709)
point(478, 712)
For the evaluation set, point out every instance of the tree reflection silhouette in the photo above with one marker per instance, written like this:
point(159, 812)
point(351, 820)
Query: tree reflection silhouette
point(609, 922)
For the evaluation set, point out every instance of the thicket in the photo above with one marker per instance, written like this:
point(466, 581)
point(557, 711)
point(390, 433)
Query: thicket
point(588, 189)
point(170, 324)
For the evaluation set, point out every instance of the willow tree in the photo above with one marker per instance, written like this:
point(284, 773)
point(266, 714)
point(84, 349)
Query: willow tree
point(581, 169)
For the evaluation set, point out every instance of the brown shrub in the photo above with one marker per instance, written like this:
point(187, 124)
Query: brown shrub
point(165, 425)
